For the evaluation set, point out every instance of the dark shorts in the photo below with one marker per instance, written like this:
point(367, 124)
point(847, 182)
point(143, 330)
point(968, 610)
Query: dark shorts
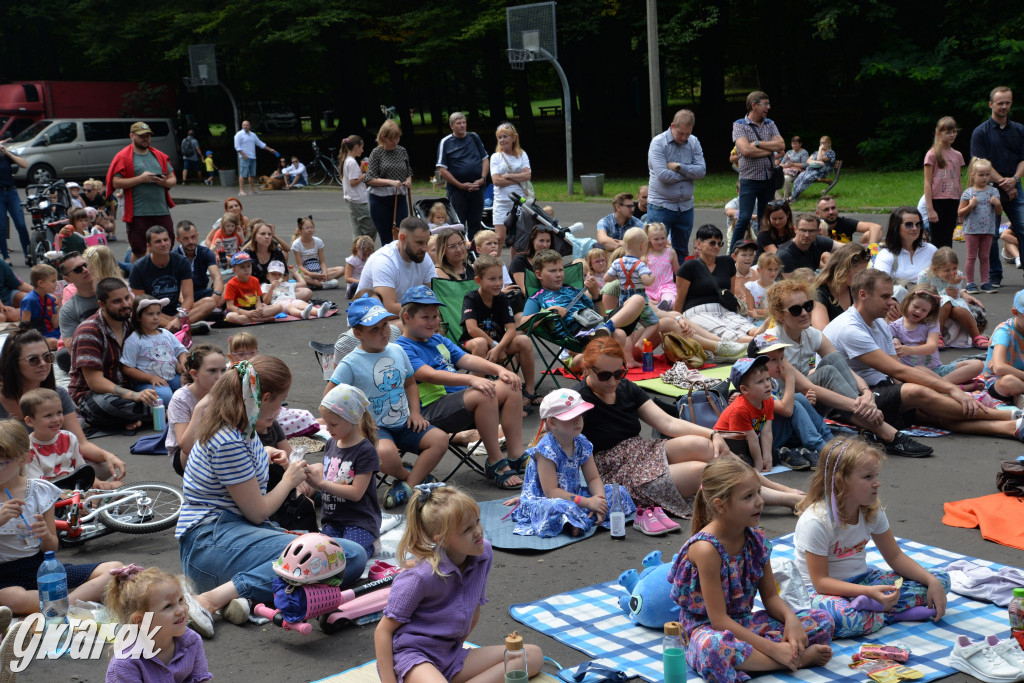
point(138, 227)
point(405, 438)
point(997, 396)
point(22, 573)
point(449, 413)
point(890, 401)
point(190, 165)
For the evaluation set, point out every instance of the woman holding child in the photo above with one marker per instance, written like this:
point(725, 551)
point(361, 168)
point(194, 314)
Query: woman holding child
point(26, 363)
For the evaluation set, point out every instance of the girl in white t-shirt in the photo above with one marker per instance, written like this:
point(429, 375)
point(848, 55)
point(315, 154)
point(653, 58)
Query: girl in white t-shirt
point(309, 257)
point(353, 183)
point(362, 247)
point(839, 516)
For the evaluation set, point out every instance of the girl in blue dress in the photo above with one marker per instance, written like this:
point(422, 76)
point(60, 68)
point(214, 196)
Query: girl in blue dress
point(562, 473)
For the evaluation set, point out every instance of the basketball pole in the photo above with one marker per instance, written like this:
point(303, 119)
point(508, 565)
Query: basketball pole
point(654, 66)
point(567, 112)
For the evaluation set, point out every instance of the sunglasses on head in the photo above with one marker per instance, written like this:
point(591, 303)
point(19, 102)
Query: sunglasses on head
point(36, 360)
point(780, 204)
point(605, 375)
point(797, 309)
point(861, 257)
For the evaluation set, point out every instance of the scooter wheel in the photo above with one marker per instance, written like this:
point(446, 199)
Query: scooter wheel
point(328, 626)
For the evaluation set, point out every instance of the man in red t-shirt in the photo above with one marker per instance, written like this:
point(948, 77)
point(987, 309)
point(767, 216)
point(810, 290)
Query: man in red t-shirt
point(752, 412)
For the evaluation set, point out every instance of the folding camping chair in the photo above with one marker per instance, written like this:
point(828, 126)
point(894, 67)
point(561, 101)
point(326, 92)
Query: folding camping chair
point(452, 293)
point(547, 340)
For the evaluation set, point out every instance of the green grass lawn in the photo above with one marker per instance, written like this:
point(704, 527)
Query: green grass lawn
point(860, 191)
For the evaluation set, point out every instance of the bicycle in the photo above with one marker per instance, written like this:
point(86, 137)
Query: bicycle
point(323, 166)
point(48, 205)
point(142, 508)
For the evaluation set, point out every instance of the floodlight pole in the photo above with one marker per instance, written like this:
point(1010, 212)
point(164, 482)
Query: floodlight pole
point(567, 112)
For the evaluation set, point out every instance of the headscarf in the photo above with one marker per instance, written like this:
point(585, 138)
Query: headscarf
point(251, 395)
point(347, 402)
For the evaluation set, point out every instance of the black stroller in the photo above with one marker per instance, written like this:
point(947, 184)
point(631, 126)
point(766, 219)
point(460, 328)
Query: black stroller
point(530, 215)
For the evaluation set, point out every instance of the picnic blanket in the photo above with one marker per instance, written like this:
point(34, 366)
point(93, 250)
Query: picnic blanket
point(590, 620)
point(367, 673)
point(997, 515)
point(658, 386)
point(286, 319)
point(661, 366)
point(499, 531)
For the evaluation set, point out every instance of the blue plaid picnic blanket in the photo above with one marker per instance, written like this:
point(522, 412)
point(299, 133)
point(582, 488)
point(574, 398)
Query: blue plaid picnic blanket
point(589, 620)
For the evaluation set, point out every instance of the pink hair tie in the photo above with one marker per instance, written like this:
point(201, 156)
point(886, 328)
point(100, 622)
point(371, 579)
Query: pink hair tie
point(125, 573)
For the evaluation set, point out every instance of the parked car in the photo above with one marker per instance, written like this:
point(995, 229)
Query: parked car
point(270, 117)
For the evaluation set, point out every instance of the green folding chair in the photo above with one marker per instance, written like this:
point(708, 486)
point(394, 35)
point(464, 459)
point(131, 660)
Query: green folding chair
point(452, 294)
point(548, 340)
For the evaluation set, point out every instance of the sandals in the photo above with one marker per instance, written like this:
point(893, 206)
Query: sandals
point(980, 342)
point(493, 471)
point(534, 398)
point(519, 464)
point(975, 384)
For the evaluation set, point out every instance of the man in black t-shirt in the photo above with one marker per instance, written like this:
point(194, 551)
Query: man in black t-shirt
point(843, 229)
point(806, 248)
point(162, 274)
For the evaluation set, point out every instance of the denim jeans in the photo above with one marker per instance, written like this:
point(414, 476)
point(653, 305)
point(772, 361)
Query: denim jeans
point(230, 548)
point(11, 205)
point(752, 192)
point(679, 225)
point(805, 423)
point(164, 393)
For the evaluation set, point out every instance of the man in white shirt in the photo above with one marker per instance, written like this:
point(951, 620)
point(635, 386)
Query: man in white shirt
point(246, 143)
point(906, 395)
point(400, 265)
point(295, 174)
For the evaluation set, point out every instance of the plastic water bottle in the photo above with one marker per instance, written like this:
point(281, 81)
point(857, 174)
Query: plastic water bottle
point(515, 659)
point(616, 516)
point(647, 356)
point(673, 653)
point(52, 582)
point(1017, 616)
point(159, 417)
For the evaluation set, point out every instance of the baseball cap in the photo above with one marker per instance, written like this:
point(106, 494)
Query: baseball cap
point(743, 244)
point(765, 342)
point(1018, 301)
point(743, 366)
point(563, 404)
point(420, 294)
point(209, 152)
point(240, 257)
point(140, 128)
point(276, 267)
point(367, 311)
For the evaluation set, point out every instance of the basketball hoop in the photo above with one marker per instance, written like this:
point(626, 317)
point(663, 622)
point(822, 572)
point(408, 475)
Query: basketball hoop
point(517, 59)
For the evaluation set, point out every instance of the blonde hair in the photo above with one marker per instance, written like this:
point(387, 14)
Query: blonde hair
point(840, 266)
point(945, 124)
point(389, 130)
point(431, 522)
point(635, 239)
point(839, 457)
point(517, 151)
point(591, 255)
point(802, 275)
point(976, 163)
point(926, 292)
point(227, 407)
point(129, 596)
point(943, 257)
point(13, 440)
point(230, 217)
point(655, 228)
point(360, 243)
point(482, 236)
point(767, 258)
point(102, 263)
point(242, 341)
point(437, 207)
point(716, 483)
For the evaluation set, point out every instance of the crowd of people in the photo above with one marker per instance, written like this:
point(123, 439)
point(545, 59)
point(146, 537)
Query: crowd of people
point(816, 327)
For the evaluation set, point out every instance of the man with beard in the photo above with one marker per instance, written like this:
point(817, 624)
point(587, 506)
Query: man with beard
point(100, 390)
point(396, 267)
point(206, 277)
point(146, 176)
point(163, 275)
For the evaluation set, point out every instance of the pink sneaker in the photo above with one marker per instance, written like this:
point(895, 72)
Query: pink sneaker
point(666, 521)
point(647, 523)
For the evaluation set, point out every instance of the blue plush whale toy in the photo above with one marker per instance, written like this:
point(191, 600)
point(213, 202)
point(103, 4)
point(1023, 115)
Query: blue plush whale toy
point(648, 602)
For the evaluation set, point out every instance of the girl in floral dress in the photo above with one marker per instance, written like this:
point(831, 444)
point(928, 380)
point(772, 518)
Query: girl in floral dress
point(716, 575)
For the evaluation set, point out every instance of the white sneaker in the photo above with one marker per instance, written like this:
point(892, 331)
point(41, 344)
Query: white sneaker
point(237, 611)
point(981, 661)
point(1010, 652)
point(728, 349)
point(199, 618)
point(1006, 257)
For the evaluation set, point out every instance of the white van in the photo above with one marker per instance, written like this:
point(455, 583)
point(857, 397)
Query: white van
point(81, 148)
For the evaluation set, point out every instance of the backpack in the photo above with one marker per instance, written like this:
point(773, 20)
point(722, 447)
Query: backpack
point(1010, 479)
point(188, 147)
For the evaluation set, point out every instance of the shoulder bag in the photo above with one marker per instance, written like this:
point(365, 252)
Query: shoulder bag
point(778, 175)
point(527, 185)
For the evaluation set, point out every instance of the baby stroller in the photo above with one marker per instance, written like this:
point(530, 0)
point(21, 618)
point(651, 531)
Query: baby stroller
point(530, 215)
point(421, 209)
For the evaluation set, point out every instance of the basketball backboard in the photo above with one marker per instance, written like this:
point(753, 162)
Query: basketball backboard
point(202, 61)
point(532, 27)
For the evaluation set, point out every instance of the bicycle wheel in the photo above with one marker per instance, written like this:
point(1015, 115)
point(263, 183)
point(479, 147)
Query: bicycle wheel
point(335, 173)
point(317, 172)
point(156, 510)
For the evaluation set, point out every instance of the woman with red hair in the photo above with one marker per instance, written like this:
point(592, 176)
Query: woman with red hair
point(232, 205)
point(661, 473)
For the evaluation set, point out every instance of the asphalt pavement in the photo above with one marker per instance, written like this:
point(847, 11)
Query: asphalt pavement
point(912, 490)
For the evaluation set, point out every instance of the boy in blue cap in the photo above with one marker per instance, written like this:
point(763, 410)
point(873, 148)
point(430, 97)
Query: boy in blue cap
point(1004, 363)
point(454, 402)
point(751, 413)
point(382, 371)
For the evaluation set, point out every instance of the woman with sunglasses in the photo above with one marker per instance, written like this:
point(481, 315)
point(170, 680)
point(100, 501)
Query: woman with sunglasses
point(905, 253)
point(832, 286)
point(829, 384)
point(776, 227)
point(26, 363)
point(699, 289)
point(661, 473)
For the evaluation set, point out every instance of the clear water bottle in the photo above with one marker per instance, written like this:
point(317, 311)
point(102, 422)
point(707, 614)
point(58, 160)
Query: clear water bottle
point(515, 659)
point(1017, 616)
point(616, 515)
point(673, 653)
point(52, 582)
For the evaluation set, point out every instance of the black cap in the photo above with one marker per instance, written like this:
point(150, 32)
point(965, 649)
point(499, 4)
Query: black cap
point(743, 244)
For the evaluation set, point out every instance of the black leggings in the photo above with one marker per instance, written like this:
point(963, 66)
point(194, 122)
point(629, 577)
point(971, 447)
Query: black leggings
point(942, 229)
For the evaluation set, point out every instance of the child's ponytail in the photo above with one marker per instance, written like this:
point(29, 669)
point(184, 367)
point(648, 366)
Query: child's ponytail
point(716, 483)
point(298, 225)
point(368, 426)
point(434, 513)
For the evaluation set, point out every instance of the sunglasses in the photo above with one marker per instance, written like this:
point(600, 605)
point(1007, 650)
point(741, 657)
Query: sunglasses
point(76, 270)
point(911, 225)
point(35, 360)
point(605, 375)
point(776, 205)
point(861, 257)
point(713, 243)
point(797, 309)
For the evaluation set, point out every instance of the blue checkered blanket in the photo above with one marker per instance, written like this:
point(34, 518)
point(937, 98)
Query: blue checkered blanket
point(589, 620)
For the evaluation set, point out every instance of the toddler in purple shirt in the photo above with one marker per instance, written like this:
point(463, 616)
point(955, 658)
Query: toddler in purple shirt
point(435, 602)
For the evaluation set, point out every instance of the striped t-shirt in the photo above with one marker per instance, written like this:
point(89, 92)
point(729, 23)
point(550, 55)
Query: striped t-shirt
point(226, 459)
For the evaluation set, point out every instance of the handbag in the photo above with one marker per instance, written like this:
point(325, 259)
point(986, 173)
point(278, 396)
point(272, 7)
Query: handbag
point(586, 318)
point(1010, 479)
point(726, 298)
point(702, 405)
point(778, 174)
point(680, 349)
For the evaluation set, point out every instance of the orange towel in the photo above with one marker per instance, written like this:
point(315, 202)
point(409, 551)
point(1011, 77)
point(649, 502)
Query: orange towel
point(999, 516)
